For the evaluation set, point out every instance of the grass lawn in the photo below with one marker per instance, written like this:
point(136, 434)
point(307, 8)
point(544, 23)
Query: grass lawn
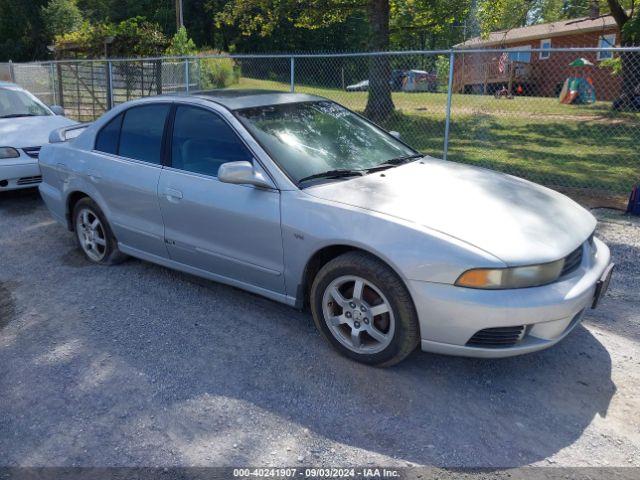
point(585, 147)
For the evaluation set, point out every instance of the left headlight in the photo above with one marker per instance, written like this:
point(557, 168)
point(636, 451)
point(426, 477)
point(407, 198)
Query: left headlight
point(8, 152)
point(515, 277)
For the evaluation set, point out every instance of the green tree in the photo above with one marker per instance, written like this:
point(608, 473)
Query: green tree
point(96, 11)
point(134, 37)
point(263, 17)
point(628, 21)
point(181, 44)
point(159, 12)
point(427, 24)
point(60, 17)
point(21, 30)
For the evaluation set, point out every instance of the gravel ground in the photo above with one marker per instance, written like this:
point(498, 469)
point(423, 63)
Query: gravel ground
point(137, 365)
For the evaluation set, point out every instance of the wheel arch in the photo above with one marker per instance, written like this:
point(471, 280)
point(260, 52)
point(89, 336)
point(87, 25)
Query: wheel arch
point(72, 199)
point(77, 194)
point(324, 255)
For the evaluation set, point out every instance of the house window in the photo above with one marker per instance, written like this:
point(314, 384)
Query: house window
point(520, 54)
point(545, 44)
point(606, 41)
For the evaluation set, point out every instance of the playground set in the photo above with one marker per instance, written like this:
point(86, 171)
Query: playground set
point(578, 89)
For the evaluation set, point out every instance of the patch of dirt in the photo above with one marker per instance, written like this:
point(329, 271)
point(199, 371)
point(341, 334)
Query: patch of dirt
point(25, 202)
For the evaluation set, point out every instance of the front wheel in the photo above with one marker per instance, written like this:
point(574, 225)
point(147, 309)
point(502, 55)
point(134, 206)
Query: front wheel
point(364, 310)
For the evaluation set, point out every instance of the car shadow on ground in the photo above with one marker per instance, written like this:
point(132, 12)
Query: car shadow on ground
point(17, 203)
point(141, 365)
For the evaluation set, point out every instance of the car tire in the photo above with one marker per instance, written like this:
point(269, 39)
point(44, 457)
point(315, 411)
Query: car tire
point(364, 310)
point(93, 234)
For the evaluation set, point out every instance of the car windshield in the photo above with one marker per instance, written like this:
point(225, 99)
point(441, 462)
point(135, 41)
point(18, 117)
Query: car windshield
point(18, 103)
point(309, 138)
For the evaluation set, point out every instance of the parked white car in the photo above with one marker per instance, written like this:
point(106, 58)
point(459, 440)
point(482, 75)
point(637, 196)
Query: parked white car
point(25, 125)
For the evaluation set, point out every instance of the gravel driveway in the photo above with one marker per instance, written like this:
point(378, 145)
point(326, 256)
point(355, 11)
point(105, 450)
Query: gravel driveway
point(139, 365)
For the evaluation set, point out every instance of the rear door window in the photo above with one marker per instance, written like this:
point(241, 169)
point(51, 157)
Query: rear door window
point(141, 135)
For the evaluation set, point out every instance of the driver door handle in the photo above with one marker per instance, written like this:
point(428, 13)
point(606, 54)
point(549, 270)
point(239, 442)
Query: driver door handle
point(173, 194)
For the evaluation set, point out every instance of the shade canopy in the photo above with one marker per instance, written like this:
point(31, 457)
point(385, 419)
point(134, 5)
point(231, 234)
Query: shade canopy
point(581, 62)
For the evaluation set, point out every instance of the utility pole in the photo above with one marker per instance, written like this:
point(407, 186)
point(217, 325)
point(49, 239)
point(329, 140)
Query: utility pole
point(179, 16)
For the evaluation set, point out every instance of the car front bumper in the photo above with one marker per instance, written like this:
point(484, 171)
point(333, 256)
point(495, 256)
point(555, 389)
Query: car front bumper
point(22, 172)
point(450, 316)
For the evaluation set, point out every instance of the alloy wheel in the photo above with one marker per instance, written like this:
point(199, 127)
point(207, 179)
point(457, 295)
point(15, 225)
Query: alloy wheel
point(91, 235)
point(358, 314)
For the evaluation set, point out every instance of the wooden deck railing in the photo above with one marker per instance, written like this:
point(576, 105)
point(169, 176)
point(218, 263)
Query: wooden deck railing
point(485, 73)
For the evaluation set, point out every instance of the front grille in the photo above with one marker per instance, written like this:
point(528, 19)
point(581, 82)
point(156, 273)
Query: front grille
point(572, 261)
point(498, 337)
point(29, 180)
point(33, 152)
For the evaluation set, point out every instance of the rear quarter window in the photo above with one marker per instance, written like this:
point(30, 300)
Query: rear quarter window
point(107, 138)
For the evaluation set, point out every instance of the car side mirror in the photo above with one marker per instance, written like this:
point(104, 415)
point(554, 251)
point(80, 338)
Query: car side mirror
point(395, 134)
point(57, 109)
point(242, 173)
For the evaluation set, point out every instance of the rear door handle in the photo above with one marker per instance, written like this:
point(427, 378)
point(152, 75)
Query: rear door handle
point(173, 194)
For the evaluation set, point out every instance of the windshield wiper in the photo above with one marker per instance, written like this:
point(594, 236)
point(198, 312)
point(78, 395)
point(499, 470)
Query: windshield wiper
point(333, 174)
point(340, 173)
point(15, 115)
point(393, 162)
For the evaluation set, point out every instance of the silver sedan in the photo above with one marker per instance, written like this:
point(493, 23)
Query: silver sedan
point(296, 198)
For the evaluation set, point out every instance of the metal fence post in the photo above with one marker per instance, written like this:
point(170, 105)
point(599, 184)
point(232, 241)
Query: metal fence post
point(52, 79)
point(292, 74)
point(186, 74)
point(447, 123)
point(12, 73)
point(158, 74)
point(60, 84)
point(109, 85)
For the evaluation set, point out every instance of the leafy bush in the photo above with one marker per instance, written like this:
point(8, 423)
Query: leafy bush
point(615, 64)
point(442, 69)
point(134, 37)
point(218, 73)
point(631, 31)
point(181, 44)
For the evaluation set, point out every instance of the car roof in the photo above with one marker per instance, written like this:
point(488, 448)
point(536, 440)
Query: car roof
point(236, 99)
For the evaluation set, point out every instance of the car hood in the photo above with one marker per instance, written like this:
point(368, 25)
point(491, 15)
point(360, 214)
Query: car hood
point(23, 132)
point(515, 220)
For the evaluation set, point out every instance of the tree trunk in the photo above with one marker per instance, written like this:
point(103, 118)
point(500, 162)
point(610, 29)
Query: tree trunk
point(379, 102)
point(630, 72)
point(630, 60)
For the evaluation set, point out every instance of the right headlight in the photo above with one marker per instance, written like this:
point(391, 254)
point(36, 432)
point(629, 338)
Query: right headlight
point(514, 277)
point(8, 152)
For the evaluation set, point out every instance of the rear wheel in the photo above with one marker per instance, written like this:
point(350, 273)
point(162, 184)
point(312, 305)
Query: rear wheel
point(94, 235)
point(361, 306)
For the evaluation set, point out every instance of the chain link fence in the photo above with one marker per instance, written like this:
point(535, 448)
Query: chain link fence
point(566, 118)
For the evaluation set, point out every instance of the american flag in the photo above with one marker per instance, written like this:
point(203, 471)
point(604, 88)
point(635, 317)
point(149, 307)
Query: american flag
point(502, 62)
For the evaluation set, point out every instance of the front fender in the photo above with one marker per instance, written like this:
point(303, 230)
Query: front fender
point(414, 252)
